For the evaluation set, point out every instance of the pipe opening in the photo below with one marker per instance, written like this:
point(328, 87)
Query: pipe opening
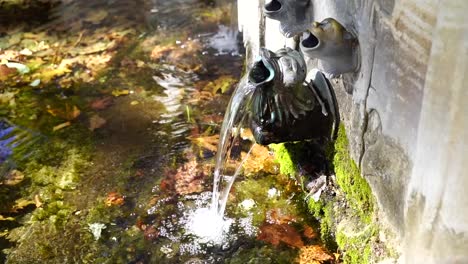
point(259, 73)
point(309, 40)
point(273, 6)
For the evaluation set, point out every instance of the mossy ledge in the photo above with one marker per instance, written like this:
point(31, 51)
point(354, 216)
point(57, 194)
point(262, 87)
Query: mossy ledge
point(346, 209)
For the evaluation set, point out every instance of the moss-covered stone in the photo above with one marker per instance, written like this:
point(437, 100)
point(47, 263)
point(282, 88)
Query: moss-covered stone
point(348, 176)
point(347, 212)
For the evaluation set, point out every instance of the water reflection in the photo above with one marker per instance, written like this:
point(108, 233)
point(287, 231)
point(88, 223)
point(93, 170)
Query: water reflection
point(131, 98)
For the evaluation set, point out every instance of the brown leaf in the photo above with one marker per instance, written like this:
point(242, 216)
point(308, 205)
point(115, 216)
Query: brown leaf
point(14, 177)
point(114, 198)
point(309, 232)
point(260, 160)
point(6, 72)
point(96, 122)
point(277, 216)
point(189, 178)
point(151, 233)
point(274, 234)
point(315, 254)
point(102, 103)
point(208, 142)
point(68, 112)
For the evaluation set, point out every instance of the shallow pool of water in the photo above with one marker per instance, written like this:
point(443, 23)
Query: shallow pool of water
point(117, 106)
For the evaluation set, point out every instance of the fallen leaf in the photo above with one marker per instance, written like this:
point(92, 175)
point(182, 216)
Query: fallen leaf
point(150, 233)
point(278, 217)
point(117, 93)
point(35, 83)
point(260, 160)
point(68, 112)
point(61, 126)
point(189, 178)
point(285, 233)
point(21, 204)
point(37, 201)
point(2, 218)
point(6, 72)
point(22, 69)
point(208, 142)
point(114, 198)
point(96, 16)
point(26, 52)
point(96, 122)
point(13, 177)
point(102, 103)
point(309, 232)
point(49, 73)
point(315, 254)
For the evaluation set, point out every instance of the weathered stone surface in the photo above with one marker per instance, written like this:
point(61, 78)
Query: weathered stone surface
point(405, 116)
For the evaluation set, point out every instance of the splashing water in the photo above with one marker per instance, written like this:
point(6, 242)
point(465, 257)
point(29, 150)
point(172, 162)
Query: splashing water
point(209, 223)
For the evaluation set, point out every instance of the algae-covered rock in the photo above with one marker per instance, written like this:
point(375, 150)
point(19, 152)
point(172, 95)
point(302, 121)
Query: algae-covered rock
point(346, 208)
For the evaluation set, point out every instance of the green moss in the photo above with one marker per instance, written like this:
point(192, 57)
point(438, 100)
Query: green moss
point(257, 190)
point(357, 244)
point(284, 157)
point(348, 176)
point(351, 206)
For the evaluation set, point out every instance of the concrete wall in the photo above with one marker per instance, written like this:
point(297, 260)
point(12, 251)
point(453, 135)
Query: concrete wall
point(405, 112)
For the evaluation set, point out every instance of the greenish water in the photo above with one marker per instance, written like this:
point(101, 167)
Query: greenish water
point(110, 116)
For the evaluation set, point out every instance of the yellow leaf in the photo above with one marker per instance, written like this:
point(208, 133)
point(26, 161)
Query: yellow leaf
point(63, 125)
point(14, 177)
point(2, 218)
point(21, 204)
point(69, 112)
point(209, 142)
point(117, 93)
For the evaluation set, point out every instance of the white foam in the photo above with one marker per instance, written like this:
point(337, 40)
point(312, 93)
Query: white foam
point(208, 226)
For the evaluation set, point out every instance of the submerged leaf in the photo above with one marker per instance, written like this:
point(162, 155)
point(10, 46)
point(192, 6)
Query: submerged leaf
point(61, 126)
point(35, 83)
point(315, 254)
point(114, 198)
point(69, 112)
point(22, 69)
point(14, 177)
point(118, 93)
point(102, 103)
point(208, 142)
point(96, 122)
point(285, 233)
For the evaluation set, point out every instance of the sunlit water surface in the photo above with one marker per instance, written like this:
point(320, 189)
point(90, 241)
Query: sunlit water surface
point(151, 80)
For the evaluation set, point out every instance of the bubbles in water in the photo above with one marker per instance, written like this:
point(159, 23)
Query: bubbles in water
point(208, 226)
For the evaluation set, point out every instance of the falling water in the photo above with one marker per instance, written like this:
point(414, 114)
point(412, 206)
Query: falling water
point(209, 223)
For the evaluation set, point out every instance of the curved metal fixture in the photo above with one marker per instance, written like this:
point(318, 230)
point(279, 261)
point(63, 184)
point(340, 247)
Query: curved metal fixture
point(334, 47)
point(286, 108)
point(295, 16)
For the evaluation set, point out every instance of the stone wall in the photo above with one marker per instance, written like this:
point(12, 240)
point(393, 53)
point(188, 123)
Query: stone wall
point(405, 112)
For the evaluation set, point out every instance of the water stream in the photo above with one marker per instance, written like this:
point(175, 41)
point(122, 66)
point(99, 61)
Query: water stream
point(123, 156)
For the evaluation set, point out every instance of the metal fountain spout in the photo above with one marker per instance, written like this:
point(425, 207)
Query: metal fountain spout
point(284, 106)
point(334, 46)
point(295, 16)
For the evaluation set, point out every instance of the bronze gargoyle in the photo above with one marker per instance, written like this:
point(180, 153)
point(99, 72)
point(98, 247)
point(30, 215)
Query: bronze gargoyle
point(334, 47)
point(295, 16)
point(283, 106)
